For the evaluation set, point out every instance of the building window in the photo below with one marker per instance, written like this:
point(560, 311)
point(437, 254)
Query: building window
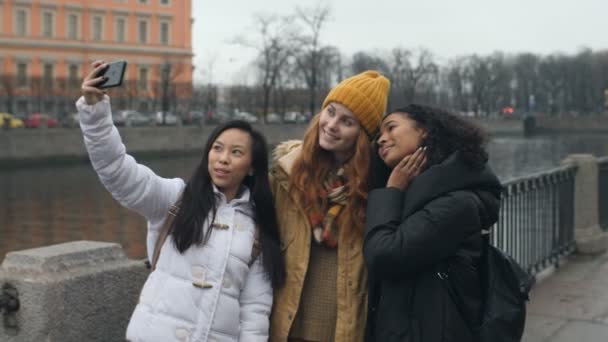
point(164, 33)
point(121, 29)
point(143, 78)
point(22, 107)
point(97, 28)
point(143, 2)
point(47, 77)
point(21, 74)
point(47, 24)
point(21, 22)
point(73, 25)
point(73, 76)
point(143, 31)
point(165, 2)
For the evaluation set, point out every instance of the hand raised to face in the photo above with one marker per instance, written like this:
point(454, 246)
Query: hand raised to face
point(407, 169)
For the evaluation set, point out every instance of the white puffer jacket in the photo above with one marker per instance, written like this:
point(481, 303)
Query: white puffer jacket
point(207, 293)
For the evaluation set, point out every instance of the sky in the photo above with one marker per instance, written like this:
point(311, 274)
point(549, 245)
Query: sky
point(449, 28)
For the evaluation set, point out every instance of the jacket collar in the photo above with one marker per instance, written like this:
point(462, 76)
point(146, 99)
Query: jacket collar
point(451, 175)
point(285, 154)
point(242, 196)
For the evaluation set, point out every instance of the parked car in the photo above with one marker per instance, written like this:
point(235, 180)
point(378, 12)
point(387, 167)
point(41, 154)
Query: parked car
point(214, 117)
point(245, 116)
point(295, 117)
point(134, 118)
point(119, 117)
point(11, 120)
point(193, 118)
point(170, 119)
point(36, 120)
point(273, 118)
point(71, 120)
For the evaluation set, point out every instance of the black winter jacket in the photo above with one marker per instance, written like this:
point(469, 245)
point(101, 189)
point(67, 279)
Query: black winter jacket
point(409, 235)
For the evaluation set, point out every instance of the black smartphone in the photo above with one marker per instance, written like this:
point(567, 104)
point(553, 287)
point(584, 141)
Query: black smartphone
point(115, 72)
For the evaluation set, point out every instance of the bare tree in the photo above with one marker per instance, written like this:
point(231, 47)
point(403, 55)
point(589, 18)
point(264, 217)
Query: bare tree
point(551, 73)
point(8, 87)
point(274, 46)
point(456, 77)
point(363, 61)
point(486, 75)
point(166, 89)
point(409, 69)
point(310, 48)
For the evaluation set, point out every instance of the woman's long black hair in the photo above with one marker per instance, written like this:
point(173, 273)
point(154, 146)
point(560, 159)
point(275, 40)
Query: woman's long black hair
point(199, 199)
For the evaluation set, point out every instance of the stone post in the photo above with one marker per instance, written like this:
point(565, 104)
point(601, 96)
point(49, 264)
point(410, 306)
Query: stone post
point(76, 291)
point(590, 239)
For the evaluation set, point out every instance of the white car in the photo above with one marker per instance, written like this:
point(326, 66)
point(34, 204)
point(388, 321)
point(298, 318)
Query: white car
point(170, 119)
point(246, 117)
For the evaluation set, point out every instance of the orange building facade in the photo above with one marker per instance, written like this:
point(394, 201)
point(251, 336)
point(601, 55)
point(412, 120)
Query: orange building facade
point(47, 46)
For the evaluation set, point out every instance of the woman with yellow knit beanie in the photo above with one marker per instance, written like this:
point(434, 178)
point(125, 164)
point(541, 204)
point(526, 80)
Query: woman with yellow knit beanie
point(320, 189)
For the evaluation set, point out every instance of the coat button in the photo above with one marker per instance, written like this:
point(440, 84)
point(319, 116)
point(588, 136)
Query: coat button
point(181, 334)
point(202, 284)
point(290, 316)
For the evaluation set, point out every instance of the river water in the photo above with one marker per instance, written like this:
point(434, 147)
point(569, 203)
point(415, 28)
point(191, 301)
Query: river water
point(47, 205)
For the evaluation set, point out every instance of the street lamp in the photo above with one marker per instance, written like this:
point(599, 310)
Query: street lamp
point(166, 70)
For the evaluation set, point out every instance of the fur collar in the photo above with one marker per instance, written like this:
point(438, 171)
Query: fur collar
point(286, 153)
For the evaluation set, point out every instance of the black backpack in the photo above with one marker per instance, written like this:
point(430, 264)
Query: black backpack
point(505, 287)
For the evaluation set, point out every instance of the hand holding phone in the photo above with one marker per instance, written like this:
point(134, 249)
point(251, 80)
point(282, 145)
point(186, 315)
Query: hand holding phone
point(102, 76)
point(91, 93)
point(113, 75)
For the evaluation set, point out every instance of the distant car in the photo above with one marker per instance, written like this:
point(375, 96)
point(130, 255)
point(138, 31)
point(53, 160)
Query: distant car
point(12, 121)
point(71, 120)
point(214, 117)
point(295, 117)
point(273, 118)
point(138, 119)
point(119, 117)
point(193, 118)
point(41, 120)
point(245, 116)
point(170, 119)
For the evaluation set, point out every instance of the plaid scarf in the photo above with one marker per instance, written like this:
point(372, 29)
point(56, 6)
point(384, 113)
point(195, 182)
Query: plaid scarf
point(324, 227)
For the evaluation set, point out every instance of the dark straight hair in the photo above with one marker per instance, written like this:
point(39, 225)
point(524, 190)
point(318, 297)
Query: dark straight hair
point(198, 201)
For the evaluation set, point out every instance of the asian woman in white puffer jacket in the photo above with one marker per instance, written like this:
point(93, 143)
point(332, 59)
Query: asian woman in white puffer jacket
point(207, 284)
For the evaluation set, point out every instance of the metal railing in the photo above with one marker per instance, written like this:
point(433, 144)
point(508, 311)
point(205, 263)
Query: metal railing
point(536, 219)
point(603, 192)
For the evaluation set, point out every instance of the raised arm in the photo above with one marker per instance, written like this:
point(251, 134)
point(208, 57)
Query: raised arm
point(134, 185)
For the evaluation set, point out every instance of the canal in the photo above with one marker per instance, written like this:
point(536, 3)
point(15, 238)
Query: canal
point(51, 204)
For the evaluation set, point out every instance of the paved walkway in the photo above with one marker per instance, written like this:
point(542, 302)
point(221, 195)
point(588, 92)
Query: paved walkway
point(572, 304)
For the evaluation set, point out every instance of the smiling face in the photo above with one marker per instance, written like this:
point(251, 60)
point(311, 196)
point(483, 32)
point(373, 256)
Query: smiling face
point(399, 137)
point(338, 130)
point(230, 159)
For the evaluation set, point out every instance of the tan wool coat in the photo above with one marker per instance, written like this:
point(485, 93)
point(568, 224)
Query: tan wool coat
point(296, 238)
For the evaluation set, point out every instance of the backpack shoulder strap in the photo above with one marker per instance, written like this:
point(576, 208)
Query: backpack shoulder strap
point(164, 232)
point(255, 250)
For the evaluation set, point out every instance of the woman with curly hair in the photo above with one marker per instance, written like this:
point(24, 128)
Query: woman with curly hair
point(320, 189)
point(424, 223)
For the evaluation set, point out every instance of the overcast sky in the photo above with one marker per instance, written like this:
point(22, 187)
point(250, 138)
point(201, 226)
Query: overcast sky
point(448, 28)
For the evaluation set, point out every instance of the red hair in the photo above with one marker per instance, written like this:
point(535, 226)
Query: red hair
point(314, 164)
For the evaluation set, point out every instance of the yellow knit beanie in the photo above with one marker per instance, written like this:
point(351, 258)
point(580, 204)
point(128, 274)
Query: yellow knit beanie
point(365, 94)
